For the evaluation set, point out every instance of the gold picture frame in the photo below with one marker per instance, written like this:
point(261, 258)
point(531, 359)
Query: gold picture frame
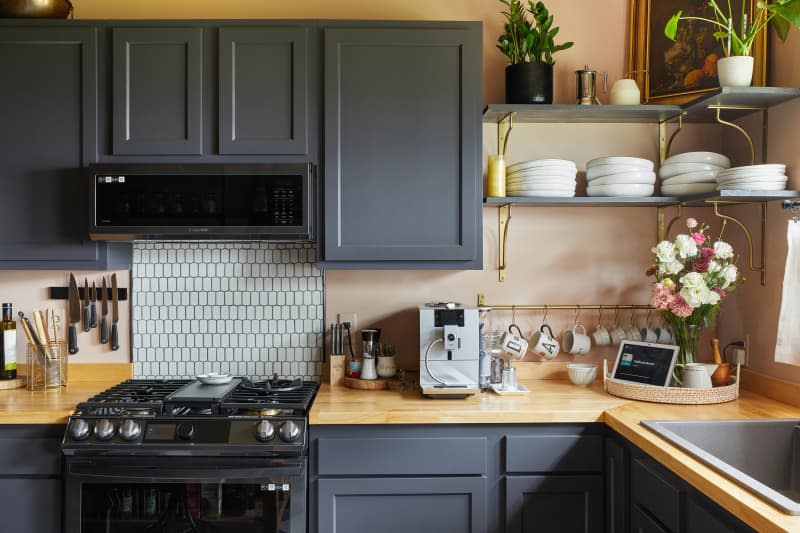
point(671, 81)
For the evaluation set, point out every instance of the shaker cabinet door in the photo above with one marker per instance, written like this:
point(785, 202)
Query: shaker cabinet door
point(263, 90)
point(48, 105)
point(402, 145)
point(617, 485)
point(157, 91)
point(402, 505)
point(563, 504)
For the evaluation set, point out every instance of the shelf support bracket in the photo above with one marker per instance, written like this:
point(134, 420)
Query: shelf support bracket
point(738, 128)
point(665, 227)
point(503, 219)
point(664, 145)
point(750, 248)
point(504, 126)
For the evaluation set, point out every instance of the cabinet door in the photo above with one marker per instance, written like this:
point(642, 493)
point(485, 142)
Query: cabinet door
point(48, 105)
point(402, 505)
point(641, 522)
point(157, 91)
point(402, 140)
point(263, 91)
point(616, 493)
point(703, 516)
point(563, 504)
point(30, 505)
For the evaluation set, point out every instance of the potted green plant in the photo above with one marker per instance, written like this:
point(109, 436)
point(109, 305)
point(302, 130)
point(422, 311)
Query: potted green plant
point(528, 43)
point(738, 31)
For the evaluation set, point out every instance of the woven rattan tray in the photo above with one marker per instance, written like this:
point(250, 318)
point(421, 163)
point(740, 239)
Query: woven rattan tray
point(677, 395)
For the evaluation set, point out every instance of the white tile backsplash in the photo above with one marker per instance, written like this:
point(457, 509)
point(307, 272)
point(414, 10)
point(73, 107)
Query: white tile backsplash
point(251, 309)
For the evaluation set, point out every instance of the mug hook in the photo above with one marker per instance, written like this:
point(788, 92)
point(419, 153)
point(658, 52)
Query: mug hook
point(544, 318)
point(577, 315)
point(513, 314)
point(600, 317)
point(633, 316)
point(616, 317)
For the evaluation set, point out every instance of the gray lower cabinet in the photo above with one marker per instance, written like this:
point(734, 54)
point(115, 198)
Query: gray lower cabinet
point(616, 486)
point(402, 505)
point(402, 135)
point(30, 478)
point(48, 105)
point(566, 504)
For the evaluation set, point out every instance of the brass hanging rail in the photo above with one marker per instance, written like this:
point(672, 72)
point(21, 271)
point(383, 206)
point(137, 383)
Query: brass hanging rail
point(567, 307)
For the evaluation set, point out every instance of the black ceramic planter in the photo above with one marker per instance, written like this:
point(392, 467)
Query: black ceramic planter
point(529, 83)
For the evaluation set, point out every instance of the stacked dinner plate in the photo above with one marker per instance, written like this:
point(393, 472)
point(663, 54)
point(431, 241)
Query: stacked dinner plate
point(541, 177)
point(753, 178)
point(691, 173)
point(620, 176)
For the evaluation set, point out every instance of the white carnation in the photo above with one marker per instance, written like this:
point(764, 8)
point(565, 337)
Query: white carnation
point(694, 296)
point(686, 246)
point(665, 251)
point(712, 298)
point(729, 275)
point(723, 250)
point(670, 267)
point(714, 266)
point(693, 280)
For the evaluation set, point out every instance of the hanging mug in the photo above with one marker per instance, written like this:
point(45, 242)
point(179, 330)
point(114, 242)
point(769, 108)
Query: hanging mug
point(544, 343)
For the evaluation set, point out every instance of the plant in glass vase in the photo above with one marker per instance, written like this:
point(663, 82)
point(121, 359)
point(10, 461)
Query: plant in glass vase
point(694, 274)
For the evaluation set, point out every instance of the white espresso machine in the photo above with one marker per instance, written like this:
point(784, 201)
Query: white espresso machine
point(449, 350)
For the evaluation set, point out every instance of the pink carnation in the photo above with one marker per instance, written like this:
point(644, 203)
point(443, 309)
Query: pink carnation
point(701, 265)
point(698, 237)
point(722, 292)
point(662, 297)
point(707, 252)
point(680, 307)
point(691, 223)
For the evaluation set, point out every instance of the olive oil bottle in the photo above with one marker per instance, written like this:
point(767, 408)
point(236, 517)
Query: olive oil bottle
point(8, 344)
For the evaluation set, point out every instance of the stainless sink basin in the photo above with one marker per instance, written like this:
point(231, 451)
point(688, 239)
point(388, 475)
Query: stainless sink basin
point(761, 455)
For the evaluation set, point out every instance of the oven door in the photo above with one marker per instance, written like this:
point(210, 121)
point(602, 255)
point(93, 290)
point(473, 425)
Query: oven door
point(184, 494)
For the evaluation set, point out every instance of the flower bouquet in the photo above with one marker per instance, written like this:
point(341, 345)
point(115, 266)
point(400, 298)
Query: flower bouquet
point(693, 277)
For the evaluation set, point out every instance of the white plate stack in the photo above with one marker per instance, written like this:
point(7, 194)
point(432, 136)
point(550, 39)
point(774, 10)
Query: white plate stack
point(753, 178)
point(541, 177)
point(691, 173)
point(620, 176)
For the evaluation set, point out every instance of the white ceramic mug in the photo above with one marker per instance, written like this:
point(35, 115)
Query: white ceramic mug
point(601, 336)
point(663, 335)
point(633, 334)
point(695, 376)
point(648, 335)
point(576, 342)
point(544, 343)
point(618, 335)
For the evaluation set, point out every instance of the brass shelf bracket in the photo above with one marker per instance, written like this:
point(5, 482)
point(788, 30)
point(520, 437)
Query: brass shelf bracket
point(504, 127)
point(503, 220)
point(762, 269)
point(666, 145)
point(720, 108)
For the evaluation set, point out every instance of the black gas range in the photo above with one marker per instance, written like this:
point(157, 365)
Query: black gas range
point(180, 455)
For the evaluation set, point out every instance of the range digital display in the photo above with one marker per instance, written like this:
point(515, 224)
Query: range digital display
point(160, 432)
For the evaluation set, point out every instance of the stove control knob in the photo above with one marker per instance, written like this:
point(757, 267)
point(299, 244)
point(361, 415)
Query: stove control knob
point(79, 429)
point(264, 430)
point(130, 430)
point(184, 431)
point(289, 431)
point(104, 429)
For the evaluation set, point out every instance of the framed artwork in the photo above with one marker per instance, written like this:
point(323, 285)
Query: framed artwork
point(676, 72)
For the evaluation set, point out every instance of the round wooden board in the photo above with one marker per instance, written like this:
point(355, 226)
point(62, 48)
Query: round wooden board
point(366, 384)
point(12, 383)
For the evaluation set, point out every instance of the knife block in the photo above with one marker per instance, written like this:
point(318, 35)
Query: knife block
point(333, 371)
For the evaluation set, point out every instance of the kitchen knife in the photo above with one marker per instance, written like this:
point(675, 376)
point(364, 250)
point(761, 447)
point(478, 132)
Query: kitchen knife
point(86, 319)
point(104, 312)
point(74, 314)
point(114, 314)
point(93, 310)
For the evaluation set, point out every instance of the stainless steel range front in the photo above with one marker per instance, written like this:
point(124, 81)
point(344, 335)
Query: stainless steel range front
point(182, 456)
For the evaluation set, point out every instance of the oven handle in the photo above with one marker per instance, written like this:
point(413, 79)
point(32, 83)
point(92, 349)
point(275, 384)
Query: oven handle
point(155, 475)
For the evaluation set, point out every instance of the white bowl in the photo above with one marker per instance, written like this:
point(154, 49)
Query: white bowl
point(543, 193)
point(752, 186)
point(581, 373)
point(771, 178)
point(667, 171)
point(681, 189)
point(625, 177)
point(598, 171)
point(638, 162)
point(631, 190)
point(541, 178)
point(540, 163)
point(542, 170)
point(712, 158)
point(753, 170)
point(214, 378)
point(699, 176)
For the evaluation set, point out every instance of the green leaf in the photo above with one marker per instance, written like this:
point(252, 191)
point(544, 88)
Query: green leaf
point(789, 12)
point(782, 27)
point(671, 28)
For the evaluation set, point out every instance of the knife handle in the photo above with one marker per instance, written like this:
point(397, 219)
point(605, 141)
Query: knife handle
point(93, 315)
point(114, 337)
point(103, 330)
point(73, 339)
point(86, 325)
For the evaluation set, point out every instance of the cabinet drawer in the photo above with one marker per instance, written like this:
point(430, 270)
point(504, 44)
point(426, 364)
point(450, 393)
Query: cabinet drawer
point(30, 450)
point(402, 456)
point(641, 523)
point(654, 492)
point(554, 453)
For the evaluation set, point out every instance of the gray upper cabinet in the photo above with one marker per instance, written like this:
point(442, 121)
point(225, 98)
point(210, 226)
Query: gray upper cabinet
point(263, 90)
point(48, 105)
point(157, 91)
point(402, 147)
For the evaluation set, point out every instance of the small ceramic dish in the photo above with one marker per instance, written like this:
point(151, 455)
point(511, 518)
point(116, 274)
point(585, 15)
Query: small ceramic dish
point(581, 373)
point(214, 378)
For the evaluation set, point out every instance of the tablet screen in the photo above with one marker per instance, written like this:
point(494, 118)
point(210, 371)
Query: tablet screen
point(646, 363)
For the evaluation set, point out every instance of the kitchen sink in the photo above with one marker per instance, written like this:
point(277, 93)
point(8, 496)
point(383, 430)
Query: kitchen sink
point(761, 455)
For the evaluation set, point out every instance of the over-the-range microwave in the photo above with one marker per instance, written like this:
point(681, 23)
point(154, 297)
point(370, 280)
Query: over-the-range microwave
point(202, 201)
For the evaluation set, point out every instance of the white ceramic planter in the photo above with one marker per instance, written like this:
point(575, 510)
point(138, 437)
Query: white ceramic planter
point(735, 71)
